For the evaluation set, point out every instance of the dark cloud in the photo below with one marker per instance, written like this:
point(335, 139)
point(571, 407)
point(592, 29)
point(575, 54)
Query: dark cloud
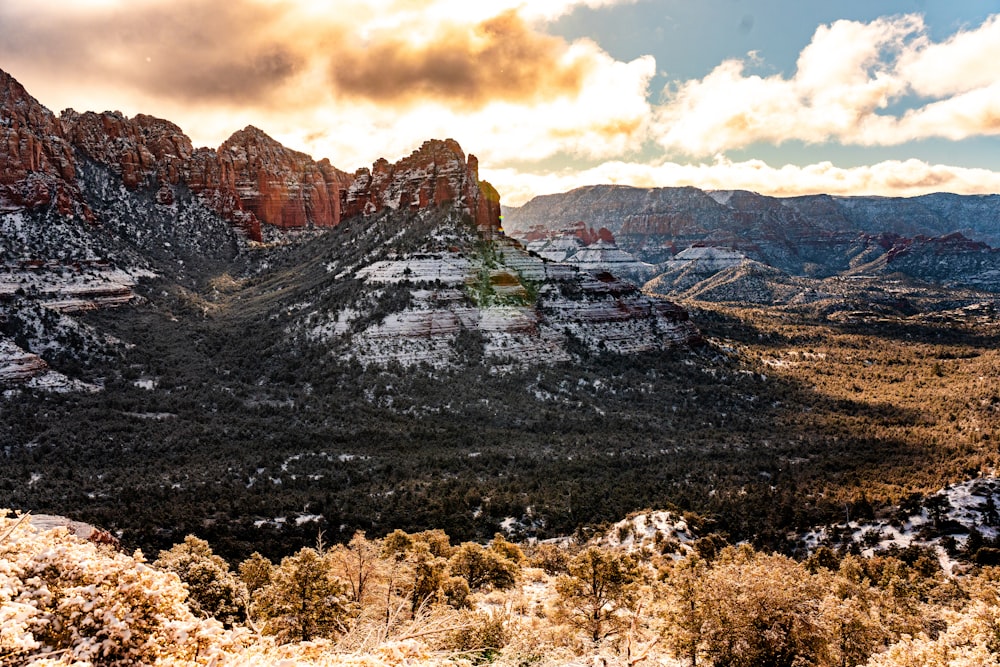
point(187, 50)
point(502, 58)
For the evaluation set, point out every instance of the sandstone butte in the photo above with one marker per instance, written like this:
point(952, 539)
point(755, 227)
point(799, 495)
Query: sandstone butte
point(250, 180)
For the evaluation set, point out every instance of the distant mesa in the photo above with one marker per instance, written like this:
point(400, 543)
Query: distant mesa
point(588, 250)
point(816, 236)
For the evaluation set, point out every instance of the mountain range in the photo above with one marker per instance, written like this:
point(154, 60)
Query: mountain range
point(417, 271)
point(939, 238)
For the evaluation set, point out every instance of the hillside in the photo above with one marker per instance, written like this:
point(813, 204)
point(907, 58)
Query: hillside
point(198, 312)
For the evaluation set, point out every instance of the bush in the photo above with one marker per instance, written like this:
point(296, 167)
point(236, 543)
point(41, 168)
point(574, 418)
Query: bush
point(213, 589)
point(483, 568)
point(62, 595)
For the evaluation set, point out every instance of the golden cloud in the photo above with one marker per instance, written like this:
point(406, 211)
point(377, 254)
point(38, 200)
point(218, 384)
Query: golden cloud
point(185, 50)
point(501, 58)
point(266, 53)
point(358, 79)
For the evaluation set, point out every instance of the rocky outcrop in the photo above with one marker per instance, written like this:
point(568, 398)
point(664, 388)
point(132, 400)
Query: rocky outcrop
point(280, 186)
point(18, 366)
point(84, 531)
point(142, 151)
point(37, 168)
point(691, 266)
point(586, 235)
point(602, 254)
point(20, 369)
point(434, 174)
point(511, 308)
point(250, 180)
point(950, 259)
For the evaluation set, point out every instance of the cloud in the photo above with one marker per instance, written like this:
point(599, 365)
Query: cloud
point(365, 79)
point(897, 178)
point(501, 58)
point(964, 62)
point(272, 53)
point(359, 79)
point(188, 50)
point(608, 117)
point(845, 83)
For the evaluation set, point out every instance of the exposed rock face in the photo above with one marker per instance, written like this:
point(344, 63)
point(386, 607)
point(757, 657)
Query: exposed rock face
point(586, 235)
point(745, 281)
point(82, 530)
point(693, 265)
point(512, 308)
point(556, 249)
point(435, 173)
point(22, 369)
point(950, 259)
point(602, 254)
point(251, 180)
point(279, 186)
point(18, 366)
point(140, 150)
point(37, 168)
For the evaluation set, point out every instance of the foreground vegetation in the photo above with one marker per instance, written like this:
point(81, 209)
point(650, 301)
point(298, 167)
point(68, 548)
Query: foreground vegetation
point(417, 598)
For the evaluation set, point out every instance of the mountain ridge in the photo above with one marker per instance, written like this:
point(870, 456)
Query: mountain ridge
point(250, 179)
point(941, 237)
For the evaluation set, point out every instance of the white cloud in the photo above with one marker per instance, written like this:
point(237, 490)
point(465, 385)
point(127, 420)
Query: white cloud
point(964, 62)
point(374, 78)
point(845, 80)
point(490, 76)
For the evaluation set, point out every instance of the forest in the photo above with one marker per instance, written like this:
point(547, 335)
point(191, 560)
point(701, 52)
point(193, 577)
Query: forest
point(296, 505)
point(781, 421)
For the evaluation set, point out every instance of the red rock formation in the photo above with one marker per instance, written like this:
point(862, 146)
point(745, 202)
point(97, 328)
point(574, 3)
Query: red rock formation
point(36, 162)
point(17, 366)
point(279, 186)
point(137, 149)
point(251, 179)
point(205, 175)
point(436, 173)
point(587, 235)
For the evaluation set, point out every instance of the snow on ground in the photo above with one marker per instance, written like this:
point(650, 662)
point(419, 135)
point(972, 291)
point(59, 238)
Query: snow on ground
point(951, 512)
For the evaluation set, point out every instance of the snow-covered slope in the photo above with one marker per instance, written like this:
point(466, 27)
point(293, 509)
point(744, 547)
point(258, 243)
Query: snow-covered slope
point(456, 297)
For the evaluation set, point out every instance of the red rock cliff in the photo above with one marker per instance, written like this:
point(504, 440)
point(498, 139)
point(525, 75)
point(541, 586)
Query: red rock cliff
point(436, 173)
point(281, 187)
point(251, 179)
point(137, 149)
point(36, 161)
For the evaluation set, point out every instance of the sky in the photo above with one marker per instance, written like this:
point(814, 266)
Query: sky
point(783, 97)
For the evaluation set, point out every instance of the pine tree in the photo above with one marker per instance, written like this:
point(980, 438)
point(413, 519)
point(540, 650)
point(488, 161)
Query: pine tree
point(304, 601)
